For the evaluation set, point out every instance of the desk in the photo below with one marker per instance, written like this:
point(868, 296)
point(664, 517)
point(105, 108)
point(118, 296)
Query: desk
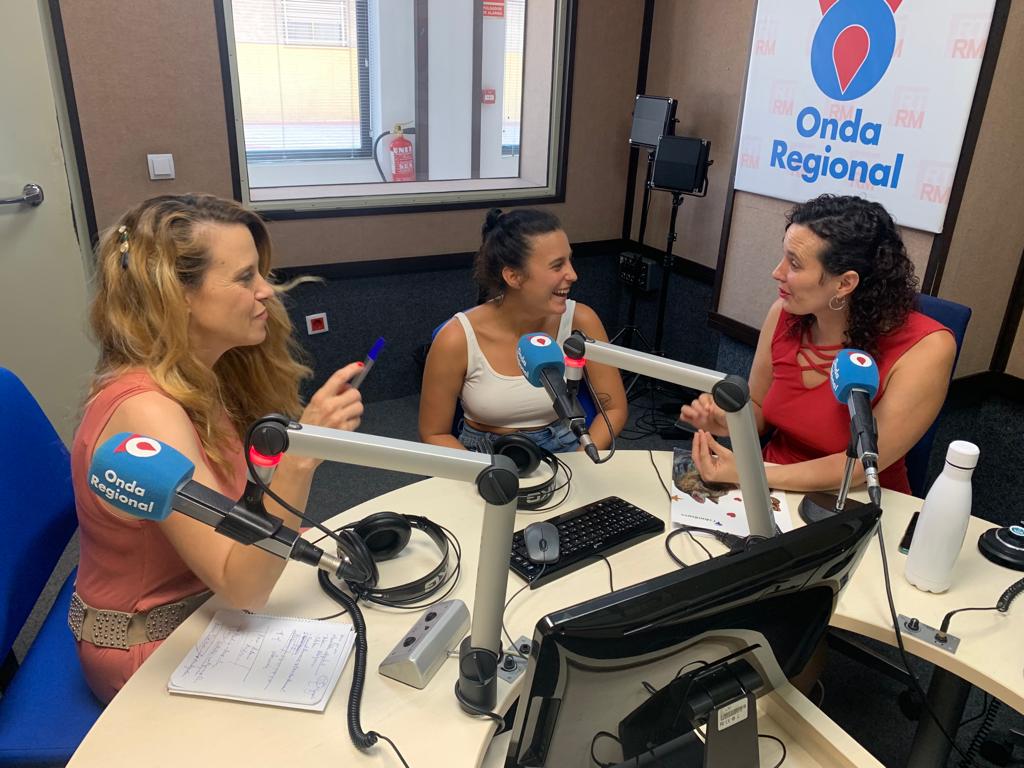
point(145, 723)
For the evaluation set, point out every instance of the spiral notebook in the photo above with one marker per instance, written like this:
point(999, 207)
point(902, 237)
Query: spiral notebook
point(271, 660)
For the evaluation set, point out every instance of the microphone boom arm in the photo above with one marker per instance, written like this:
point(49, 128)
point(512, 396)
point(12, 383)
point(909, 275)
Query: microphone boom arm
point(497, 482)
point(731, 393)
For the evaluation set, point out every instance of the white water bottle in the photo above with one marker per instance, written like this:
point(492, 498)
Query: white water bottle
point(943, 521)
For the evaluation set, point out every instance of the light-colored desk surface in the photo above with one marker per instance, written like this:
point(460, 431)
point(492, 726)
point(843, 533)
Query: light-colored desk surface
point(146, 723)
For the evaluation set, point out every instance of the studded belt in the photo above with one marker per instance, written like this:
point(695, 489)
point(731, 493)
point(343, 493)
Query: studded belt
point(118, 629)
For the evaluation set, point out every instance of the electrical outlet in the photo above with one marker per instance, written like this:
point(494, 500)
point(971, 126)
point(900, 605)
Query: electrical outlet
point(316, 323)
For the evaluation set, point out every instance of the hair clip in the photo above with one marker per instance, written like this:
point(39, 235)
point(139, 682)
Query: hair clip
point(122, 231)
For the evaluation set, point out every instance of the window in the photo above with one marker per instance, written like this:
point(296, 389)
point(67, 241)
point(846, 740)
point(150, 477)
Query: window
point(368, 105)
point(316, 22)
point(512, 88)
point(303, 81)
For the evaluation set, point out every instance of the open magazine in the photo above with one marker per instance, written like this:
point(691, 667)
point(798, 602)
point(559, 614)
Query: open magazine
point(714, 506)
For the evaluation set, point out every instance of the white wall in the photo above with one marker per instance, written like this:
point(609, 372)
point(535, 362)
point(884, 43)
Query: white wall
point(492, 75)
point(450, 68)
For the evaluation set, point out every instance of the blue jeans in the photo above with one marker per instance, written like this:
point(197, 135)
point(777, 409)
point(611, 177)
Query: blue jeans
point(555, 437)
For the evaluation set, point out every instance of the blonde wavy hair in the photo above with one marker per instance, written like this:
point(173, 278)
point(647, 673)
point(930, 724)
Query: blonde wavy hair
point(139, 317)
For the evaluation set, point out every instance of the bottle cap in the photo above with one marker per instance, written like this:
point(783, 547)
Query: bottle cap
point(962, 454)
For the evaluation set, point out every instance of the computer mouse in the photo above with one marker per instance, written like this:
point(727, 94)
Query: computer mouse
point(541, 541)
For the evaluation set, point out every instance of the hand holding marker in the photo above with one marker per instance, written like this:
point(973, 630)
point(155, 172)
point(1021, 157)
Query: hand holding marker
point(371, 358)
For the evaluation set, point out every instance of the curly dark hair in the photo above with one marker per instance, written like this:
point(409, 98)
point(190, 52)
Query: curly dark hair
point(861, 236)
point(505, 244)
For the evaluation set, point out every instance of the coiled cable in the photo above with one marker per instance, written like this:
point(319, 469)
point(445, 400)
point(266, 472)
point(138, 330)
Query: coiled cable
point(362, 739)
point(983, 730)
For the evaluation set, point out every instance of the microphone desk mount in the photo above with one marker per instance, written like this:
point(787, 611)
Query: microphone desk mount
point(497, 482)
point(818, 505)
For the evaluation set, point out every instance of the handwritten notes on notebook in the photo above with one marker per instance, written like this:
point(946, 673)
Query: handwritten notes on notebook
point(266, 660)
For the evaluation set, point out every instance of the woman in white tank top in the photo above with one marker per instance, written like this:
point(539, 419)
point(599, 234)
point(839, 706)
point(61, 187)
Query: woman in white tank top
point(524, 266)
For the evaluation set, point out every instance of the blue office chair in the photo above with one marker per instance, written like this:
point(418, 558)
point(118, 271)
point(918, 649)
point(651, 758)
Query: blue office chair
point(955, 317)
point(584, 397)
point(46, 707)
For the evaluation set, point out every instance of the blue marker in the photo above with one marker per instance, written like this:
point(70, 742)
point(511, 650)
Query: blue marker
point(371, 358)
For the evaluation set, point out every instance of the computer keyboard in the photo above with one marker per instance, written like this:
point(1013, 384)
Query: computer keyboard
point(599, 528)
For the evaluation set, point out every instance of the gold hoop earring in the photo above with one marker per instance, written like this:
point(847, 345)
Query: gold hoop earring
point(837, 304)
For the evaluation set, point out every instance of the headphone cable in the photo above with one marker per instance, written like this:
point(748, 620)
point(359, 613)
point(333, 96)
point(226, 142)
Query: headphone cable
point(336, 593)
point(265, 488)
point(450, 580)
point(515, 650)
point(903, 651)
point(604, 414)
point(567, 486)
point(361, 739)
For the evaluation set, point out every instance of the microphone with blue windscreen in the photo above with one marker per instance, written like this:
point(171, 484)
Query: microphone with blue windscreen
point(540, 360)
point(854, 380)
point(852, 370)
point(149, 479)
point(139, 475)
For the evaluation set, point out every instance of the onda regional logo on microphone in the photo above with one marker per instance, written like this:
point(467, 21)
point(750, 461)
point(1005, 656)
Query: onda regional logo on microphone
point(850, 54)
point(112, 463)
point(139, 446)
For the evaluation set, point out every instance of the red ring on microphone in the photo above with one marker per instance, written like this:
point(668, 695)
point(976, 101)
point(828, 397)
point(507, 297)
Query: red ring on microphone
point(262, 460)
point(572, 362)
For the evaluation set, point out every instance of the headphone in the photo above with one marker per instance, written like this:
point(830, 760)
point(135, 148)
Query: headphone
point(381, 537)
point(528, 456)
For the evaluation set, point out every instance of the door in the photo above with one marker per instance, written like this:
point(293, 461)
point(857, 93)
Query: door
point(42, 274)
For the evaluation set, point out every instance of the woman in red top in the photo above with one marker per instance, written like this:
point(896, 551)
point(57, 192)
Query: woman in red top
point(194, 344)
point(844, 281)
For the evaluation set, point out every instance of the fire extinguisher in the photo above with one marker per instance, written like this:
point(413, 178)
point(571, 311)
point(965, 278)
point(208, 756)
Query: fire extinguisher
point(403, 162)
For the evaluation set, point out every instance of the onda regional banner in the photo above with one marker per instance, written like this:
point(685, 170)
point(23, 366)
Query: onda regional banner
point(864, 97)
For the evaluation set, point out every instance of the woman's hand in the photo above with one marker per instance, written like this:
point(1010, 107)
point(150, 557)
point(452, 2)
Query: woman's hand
point(337, 404)
point(715, 462)
point(704, 414)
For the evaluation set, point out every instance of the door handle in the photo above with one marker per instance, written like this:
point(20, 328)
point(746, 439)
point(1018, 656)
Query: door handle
point(32, 194)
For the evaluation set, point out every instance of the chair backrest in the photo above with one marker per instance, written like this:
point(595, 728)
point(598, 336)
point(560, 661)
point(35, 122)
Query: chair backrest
point(37, 504)
point(955, 317)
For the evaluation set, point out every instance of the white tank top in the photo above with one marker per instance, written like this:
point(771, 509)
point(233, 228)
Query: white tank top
point(510, 402)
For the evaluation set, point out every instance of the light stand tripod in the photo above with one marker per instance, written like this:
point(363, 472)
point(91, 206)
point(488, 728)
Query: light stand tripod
point(653, 118)
point(630, 329)
point(666, 268)
point(679, 165)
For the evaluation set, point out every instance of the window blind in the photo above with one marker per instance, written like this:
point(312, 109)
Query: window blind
point(303, 78)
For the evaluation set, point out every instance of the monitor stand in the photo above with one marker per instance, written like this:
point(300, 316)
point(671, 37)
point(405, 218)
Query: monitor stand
point(722, 696)
point(731, 735)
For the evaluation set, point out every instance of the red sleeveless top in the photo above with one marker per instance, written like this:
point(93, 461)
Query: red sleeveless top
point(124, 565)
point(809, 422)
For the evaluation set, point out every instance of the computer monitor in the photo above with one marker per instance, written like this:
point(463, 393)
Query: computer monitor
point(649, 663)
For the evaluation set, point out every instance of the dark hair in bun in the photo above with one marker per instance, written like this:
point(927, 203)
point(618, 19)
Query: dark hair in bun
point(506, 244)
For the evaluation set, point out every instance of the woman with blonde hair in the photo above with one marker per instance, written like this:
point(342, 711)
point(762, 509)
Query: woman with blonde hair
point(194, 345)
